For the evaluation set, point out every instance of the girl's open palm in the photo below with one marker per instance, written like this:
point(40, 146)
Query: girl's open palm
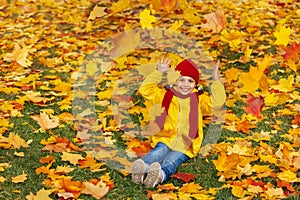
point(163, 64)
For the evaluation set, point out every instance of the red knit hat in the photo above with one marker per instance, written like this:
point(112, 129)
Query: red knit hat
point(188, 68)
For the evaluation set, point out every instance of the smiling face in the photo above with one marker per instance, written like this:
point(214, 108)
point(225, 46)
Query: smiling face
point(185, 85)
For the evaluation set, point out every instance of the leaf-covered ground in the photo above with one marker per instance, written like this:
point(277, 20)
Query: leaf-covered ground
point(54, 145)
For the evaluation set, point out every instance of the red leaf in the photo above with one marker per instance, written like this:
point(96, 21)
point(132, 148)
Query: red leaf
point(292, 52)
point(285, 184)
point(254, 105)
point(186, 177)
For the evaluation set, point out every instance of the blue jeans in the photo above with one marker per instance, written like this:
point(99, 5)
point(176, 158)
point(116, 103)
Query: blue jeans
point(168, 159)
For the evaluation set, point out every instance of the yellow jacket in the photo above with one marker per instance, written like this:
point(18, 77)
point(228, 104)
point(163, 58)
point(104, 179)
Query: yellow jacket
point(176, 127)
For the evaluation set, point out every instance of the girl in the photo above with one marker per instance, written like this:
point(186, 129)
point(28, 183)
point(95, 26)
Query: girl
point(180, 133)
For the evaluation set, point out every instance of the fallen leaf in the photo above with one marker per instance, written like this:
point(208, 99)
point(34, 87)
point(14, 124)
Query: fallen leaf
point(97, 191)
point(186, 177)
point(19, 179)
point(254, 105)
point(45, 121)
point(282, 35)
point(146, 19)
point(19, 55)
point(72, 158)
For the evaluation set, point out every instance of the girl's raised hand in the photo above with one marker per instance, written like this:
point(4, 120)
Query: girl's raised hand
point(163, 64)
point(215, 73)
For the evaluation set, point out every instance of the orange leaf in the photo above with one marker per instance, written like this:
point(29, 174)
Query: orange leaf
point(254, 105)
point(168, 5)
point(292, 52)
point(245, 126)
point(186, 177)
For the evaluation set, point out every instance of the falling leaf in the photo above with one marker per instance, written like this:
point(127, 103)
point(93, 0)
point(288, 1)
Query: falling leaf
point(19, 179)
point(215, 21)
point(19, 55)
point(45, 121)
point(254, 105)
point(146, 19)
point(186, 177)
point(282, 35)
point(146, 69)
point(172, 76)
point(155, 111)
point(125, 43)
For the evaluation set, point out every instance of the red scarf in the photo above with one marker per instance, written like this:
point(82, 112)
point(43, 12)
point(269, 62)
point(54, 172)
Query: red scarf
point(193, 116)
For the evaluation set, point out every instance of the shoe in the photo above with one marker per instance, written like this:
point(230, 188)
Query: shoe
point(154, 175)
point(138, 171)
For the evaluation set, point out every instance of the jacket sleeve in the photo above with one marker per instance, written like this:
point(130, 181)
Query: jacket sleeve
point(215, 100)
point(150, 89)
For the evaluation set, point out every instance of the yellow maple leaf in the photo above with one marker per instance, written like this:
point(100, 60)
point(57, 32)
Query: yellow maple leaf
point(97, 12)
point(19, 179)
point(16, 141)
point(250, 80)
point(238, 191)
point(233, 38)
point(146, 19)
point(275, 192)
point(43, 195)
point(288, 175)
point(176, 25)
point(72, 158)
point(19, 55)
point(155, 111)
point(285, 85)
point(91, 67)
point(45, 121)
point(146, 69)
point(97, 191)
point(282, 35)
point(172, 76)
point(120, 6)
